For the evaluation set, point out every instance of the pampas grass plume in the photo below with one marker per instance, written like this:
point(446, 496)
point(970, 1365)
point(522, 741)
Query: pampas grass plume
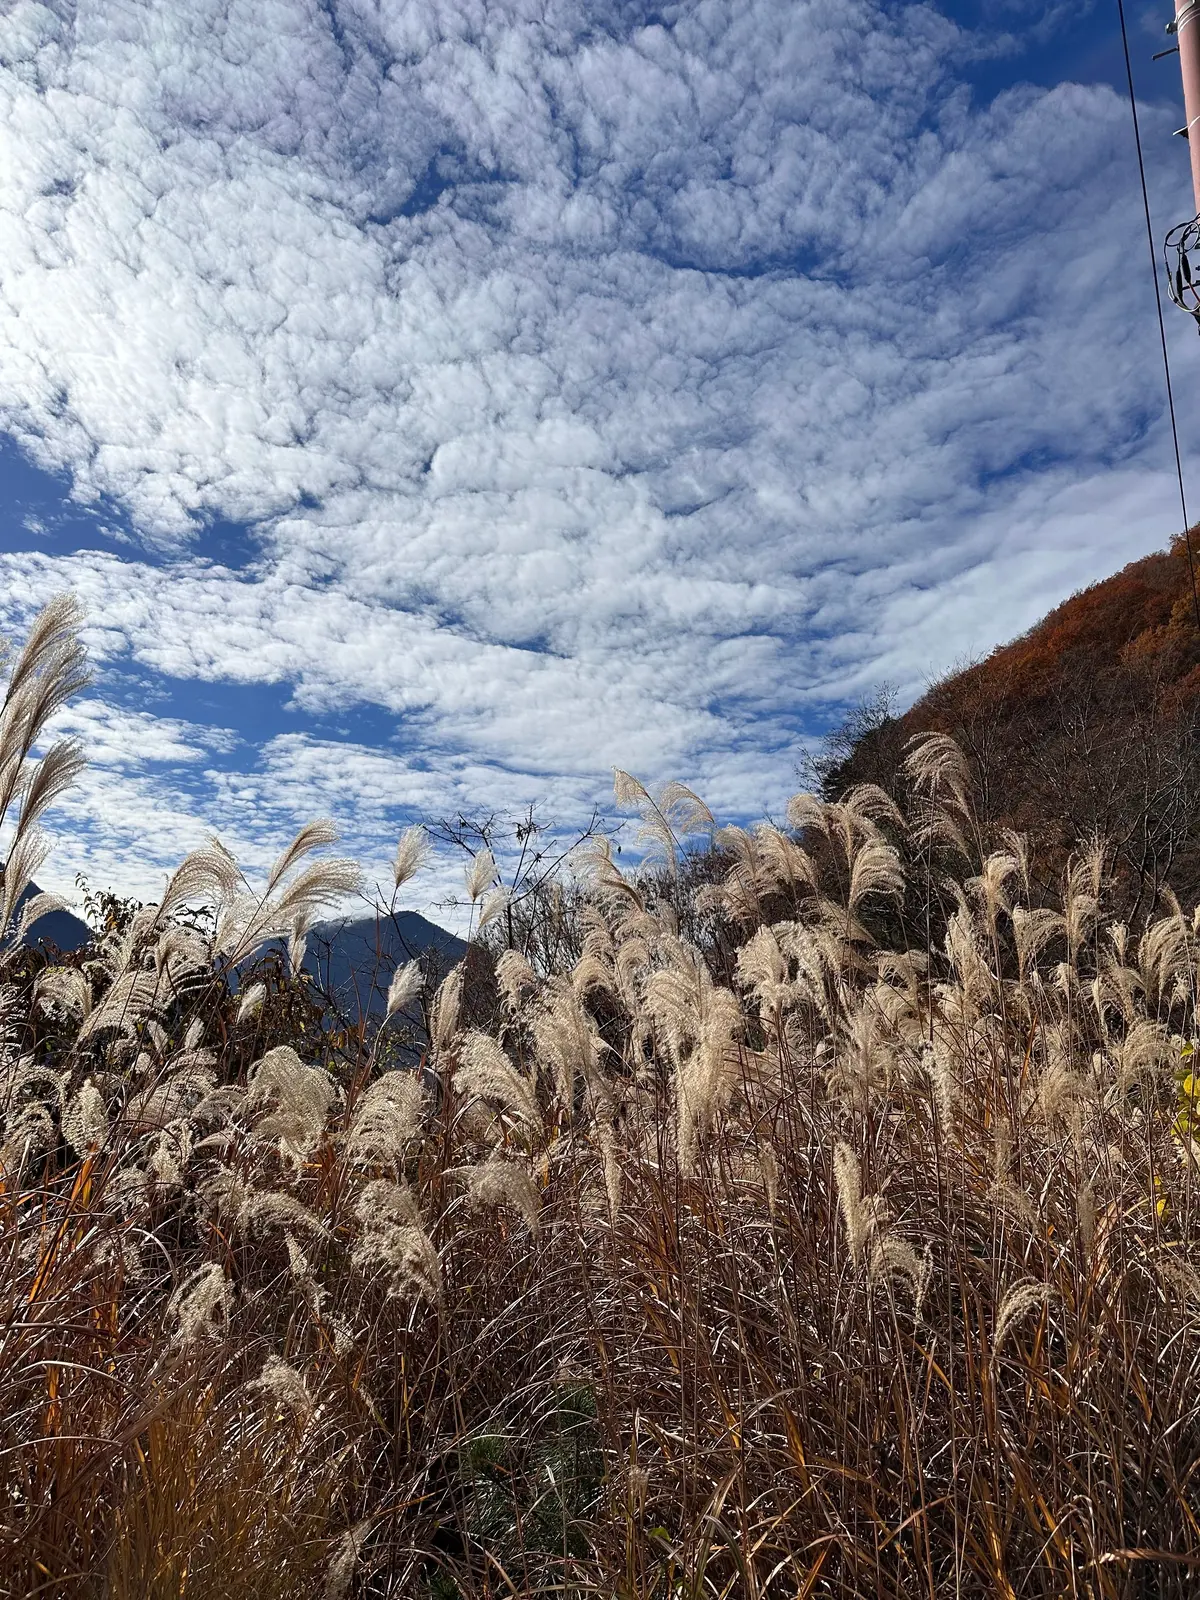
point(404, 987)
point(412, 852)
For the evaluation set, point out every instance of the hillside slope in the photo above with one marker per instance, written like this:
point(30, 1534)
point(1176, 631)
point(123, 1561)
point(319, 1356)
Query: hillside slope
point(1087, 724)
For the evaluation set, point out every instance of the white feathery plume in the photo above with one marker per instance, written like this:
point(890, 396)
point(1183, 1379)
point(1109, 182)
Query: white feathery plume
point(513, 976)
point(169, 1153)
point(412, 852)
point(935, 763)
point(485, 1070)
point(85, 1120)
point(302, 1097)
point(201, 1304)
point(446, 1003)
point(250, 1003)
point(480, 874)
point(676, 812)
point(345, 1560)
point(283, 1384)
point(38, 905)
point(298, 1265)
point(497, 1182)
point(66, 988)
point(895, 1258)
point(131, 999)
point(568, 1042)
point(387, 1116)
point(207, 874)
point(26, 855)
point(298, 942)
point(262, 1210)
point(493, 904)
point(404, 987)
point(861, 1215)
point(181, 950)
point(1017, 1303)
point(393, 1239)
point(310, 837)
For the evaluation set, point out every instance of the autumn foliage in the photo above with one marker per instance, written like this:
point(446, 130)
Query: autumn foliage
point(1085, 726)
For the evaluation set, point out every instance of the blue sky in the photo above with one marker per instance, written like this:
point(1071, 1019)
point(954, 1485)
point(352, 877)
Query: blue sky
point(436, 404)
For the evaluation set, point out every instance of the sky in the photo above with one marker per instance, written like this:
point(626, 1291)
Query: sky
point(437, 403)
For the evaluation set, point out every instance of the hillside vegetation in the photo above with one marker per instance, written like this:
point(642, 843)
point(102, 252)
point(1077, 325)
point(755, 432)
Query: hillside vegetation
point(1087, 726)
point(820, 1220)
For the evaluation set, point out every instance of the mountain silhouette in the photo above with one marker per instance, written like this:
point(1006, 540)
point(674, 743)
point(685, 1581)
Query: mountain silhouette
point(351, 959)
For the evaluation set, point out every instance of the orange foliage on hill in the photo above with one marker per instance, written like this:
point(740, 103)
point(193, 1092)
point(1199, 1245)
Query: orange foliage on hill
point(1087, 724)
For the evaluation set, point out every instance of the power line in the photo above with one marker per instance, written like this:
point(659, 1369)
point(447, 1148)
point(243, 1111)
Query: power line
point(1162, 331)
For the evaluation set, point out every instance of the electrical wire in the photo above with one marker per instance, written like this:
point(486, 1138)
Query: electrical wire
point(1162, 331)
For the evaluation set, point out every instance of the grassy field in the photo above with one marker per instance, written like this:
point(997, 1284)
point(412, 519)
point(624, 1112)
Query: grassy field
point(774, 1240)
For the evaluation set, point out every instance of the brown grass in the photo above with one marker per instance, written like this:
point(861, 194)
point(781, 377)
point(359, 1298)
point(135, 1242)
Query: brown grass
point(836, 1270)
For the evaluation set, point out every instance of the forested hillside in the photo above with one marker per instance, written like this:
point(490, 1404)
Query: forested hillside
point(1087, 725)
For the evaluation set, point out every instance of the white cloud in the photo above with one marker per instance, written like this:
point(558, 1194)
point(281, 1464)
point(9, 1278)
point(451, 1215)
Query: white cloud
point(606, 390)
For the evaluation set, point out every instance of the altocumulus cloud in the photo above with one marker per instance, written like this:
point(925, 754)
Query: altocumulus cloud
point(593, 383)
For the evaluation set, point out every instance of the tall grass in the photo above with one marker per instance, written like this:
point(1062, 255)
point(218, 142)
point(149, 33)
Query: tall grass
point(753, 1253)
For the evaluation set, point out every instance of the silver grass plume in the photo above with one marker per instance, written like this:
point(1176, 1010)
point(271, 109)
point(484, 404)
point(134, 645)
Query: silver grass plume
point(132, 998)
point(386, 1118)
point(485, 1070)
point(286, 1387)
point(699, 1023)
point(567, 1041)
point(298, 1265)
point(412, 852)
point(763, 968)
point(404, 987)
point(514, 976)
point(480, 874)
point(310, 837)
point(345, 1560)
point(862, 1067)
point(895, 1258)
point(990, 889)
point(65, 989)
point(38, 905)
point(1017, 1303)
point(497, 1182)
point(168, 1154)
point(207, 874)
point(492, 907)
point(861, 1215)
point(782, 863)
point(49, 671)
point(1164, 954)
point(740, 892)
point(607, 879)
point(446, 1003)
point(302, 1097)
point(250, 1003)
point(261, 1211)
point(201, 1305)
point(392, 1239)
point(935, 763)
point(665, 819)
point(26, 854)
point(85, 1120)
point(189, 1078)
point(1032, 932)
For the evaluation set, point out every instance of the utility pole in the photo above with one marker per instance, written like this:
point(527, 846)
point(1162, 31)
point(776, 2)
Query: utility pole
point(1187, 36)
point(1182, 244)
